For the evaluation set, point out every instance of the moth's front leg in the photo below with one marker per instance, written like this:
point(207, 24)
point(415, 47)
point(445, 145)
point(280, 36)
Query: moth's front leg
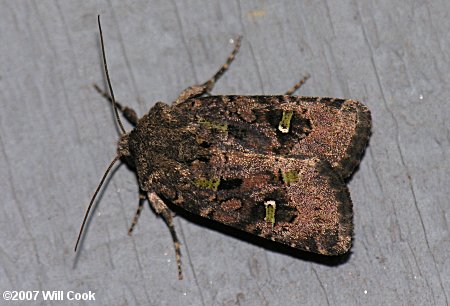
point(199, 90)
point(297, 86)
point(161, 209)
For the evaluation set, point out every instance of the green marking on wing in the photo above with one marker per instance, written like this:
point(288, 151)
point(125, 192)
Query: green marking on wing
point(285, 121)
point(212, 184)
point(289, 176)
point(270, 211)
point(213, 125)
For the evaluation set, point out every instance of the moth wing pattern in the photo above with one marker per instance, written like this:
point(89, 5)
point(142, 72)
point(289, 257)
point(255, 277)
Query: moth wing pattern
point(245, 163)
point(338, 130)
point(310, 204)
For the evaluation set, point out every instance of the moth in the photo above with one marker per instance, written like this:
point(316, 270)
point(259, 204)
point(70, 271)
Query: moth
point(272, 166)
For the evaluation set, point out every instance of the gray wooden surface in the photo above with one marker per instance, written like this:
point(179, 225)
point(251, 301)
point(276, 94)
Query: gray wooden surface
point(57, 136)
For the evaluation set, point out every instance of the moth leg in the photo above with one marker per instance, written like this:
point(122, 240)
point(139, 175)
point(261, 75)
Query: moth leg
point(161, 208)
point(205, 88)
point(297, 85)
point(138, 213)
point(127, 112)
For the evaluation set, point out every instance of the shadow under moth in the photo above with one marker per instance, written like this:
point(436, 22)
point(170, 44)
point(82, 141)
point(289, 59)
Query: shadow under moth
point(272, 166)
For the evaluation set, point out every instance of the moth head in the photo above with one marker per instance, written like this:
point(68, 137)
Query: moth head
point(123, 150)
point(123, 147)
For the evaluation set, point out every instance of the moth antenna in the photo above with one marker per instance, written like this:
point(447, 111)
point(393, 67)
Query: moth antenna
point(93, 198)
point(107, 78)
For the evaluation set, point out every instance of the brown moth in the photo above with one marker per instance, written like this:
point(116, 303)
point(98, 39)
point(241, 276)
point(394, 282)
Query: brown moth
point(273, 166)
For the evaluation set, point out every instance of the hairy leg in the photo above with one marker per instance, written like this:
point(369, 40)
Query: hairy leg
point(199, 90)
